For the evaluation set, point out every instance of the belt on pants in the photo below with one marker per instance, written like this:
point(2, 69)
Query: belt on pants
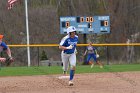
point(67, 53)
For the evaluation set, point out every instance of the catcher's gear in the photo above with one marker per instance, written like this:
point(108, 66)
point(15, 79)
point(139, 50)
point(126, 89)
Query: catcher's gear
point(9, 61)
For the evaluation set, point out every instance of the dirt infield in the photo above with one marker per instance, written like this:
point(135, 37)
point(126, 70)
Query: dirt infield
point(125, 82)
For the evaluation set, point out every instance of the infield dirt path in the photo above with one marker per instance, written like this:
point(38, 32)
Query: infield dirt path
point(125, 82)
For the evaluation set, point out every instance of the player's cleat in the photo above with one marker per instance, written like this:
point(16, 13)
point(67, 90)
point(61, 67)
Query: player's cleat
point(70, 83)
point(92, 65)
point(101, 66)
point(64, 72)
point(9, 61)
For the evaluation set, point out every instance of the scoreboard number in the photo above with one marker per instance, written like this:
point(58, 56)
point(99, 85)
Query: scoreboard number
point(104, 23)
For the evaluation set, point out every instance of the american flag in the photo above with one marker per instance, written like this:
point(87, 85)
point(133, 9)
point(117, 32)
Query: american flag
point(11, 3)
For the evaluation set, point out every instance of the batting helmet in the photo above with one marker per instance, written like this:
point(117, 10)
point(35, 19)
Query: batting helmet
point(71, 29)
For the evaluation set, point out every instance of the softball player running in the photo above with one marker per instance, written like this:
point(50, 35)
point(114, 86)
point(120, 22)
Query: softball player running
point(68, 55)
point(92, 52)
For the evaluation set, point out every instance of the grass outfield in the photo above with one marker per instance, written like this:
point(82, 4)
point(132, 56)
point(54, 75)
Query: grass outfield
point(45, 70)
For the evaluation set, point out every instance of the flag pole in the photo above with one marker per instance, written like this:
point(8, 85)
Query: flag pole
point(27, 31)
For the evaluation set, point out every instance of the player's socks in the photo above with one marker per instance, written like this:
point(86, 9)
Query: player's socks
point(64, 72)
point(71, 74)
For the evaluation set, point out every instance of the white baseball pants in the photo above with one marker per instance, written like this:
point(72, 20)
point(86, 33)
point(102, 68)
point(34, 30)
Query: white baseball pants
point(68, 59)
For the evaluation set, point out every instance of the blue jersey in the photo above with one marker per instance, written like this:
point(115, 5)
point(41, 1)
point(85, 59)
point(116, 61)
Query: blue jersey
point(67, 41)
point(3, 46)
point(90, 49)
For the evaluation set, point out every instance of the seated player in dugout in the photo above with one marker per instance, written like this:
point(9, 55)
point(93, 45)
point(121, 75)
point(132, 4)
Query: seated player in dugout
point(92, 53)
point(4, 47)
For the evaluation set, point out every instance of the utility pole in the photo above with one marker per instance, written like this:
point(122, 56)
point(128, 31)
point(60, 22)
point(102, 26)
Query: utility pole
point(27, 31)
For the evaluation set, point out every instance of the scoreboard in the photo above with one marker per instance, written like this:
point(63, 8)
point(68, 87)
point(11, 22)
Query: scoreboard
point(86, 25)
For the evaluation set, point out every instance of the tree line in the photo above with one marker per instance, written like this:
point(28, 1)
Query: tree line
point(44, 26)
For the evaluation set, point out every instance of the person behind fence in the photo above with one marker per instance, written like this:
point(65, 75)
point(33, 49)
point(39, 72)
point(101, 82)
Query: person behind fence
point(68, 54)
point(4, 47)
point(92, 53)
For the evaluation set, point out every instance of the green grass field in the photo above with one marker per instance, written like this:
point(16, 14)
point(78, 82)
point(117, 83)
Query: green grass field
point(45, 70)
